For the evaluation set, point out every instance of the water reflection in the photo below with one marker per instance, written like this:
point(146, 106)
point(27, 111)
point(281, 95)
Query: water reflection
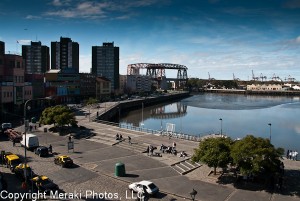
point(199, 115)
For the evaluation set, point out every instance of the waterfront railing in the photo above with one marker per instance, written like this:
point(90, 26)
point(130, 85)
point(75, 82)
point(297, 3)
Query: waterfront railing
point(163, 132)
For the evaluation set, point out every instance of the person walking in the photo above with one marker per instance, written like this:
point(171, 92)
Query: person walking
point(50, 149)
point(129, 140)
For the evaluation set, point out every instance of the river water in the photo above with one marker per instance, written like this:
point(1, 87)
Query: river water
point(236, 115)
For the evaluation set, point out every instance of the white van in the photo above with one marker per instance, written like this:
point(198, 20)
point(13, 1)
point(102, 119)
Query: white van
point(32, 141)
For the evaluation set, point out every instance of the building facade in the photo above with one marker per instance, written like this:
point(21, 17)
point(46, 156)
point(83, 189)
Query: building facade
point(37, 62)
point(103, 89)
point(265, 87)
point(87, 85)
point(105, 63)
point(63, 87)
point(37, 58)
point(138, 83)
point(14, 91)
point(65, 55)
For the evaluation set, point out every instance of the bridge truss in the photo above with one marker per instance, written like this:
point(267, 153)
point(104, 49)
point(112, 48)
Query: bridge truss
point(157, 71)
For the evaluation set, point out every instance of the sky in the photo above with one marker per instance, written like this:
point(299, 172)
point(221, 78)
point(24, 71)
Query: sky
point(210, 37)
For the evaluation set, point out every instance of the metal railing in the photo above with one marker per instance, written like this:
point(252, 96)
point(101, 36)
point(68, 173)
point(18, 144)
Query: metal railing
point(163, 132)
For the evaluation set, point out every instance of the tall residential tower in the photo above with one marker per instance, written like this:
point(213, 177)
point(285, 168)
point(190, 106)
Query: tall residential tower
point(37, 58)
point(65, 55)
point(105, 63)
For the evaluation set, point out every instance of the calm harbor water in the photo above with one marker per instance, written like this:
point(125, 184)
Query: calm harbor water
point(241, 115)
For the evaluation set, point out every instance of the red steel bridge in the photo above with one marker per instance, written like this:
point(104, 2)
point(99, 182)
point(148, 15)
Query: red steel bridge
point(157, 71)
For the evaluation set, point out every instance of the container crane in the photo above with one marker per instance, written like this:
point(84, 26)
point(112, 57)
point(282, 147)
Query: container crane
point(253, 77)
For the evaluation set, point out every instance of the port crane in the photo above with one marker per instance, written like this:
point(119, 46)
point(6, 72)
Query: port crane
point(276, 78)
point(210, 78)
point(263, 77)
point(291, 79)
point(253, 77)
point(234, 78)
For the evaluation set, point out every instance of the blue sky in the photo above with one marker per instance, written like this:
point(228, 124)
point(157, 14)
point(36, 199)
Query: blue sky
point(221, 37)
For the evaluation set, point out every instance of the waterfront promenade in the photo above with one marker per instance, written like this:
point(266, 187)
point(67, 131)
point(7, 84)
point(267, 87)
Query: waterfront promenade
point(96, 156)
point(172, 183)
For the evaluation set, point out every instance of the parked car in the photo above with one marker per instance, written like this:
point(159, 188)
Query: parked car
point(139, 187)
point(44, 184)
point(64, 161)
point(42, 151)
point(12, 161)
point(20, 172)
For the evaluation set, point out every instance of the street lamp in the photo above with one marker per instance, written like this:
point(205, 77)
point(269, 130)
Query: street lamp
point(193, 194)
point(221, 127)
point(142, 124)
point(270, 131)
point(25, 126)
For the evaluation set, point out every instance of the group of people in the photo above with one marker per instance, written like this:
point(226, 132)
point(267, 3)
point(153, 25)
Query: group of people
point(169, 149)
point(120, 138)
point(292, 155)
point(150, 150)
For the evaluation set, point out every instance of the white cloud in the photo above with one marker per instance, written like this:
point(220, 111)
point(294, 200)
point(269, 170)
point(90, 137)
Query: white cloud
point(298, 39)
point(60, 2)
point(32, 17)
point(95, 9)
point(24, 42)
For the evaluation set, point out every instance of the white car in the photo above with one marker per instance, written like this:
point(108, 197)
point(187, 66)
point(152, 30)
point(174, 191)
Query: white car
point(150, 187)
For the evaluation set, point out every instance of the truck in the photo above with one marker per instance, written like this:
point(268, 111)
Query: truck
point(32, 141)
point(13, 135)
point(5, 126)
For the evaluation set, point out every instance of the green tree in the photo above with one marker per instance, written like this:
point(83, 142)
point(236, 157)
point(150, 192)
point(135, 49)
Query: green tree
point(215, 152)
point(60, 115)
point(91, 101)
point(255, 155)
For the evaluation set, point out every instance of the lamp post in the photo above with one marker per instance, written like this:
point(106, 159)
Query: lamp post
point(221, 126)
point(142, 124)
point(270, 131)
point(25, 129)
point(193, 194)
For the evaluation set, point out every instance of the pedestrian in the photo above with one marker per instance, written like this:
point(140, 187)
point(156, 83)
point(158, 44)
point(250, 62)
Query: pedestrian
point(288, 154)
point(50, 149)
point(14, 142)
point(129, 140)
point(174, 145)
point(34, 127)
point(70, 138)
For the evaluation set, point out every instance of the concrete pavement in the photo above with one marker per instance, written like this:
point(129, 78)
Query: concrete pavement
point(96, 158)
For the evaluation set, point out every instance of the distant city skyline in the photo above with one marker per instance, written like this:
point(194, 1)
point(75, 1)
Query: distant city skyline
point(219, 37)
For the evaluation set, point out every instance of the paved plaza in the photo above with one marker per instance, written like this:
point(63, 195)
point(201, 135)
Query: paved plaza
point(95, 158)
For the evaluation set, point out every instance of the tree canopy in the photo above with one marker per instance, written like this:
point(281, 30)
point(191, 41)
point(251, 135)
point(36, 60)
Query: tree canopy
point(254, 155)
point(60, 115)
point(251, 155)
point(215, 152)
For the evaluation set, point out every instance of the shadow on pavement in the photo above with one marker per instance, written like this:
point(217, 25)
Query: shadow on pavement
point(290, 183)
point(132, 175)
